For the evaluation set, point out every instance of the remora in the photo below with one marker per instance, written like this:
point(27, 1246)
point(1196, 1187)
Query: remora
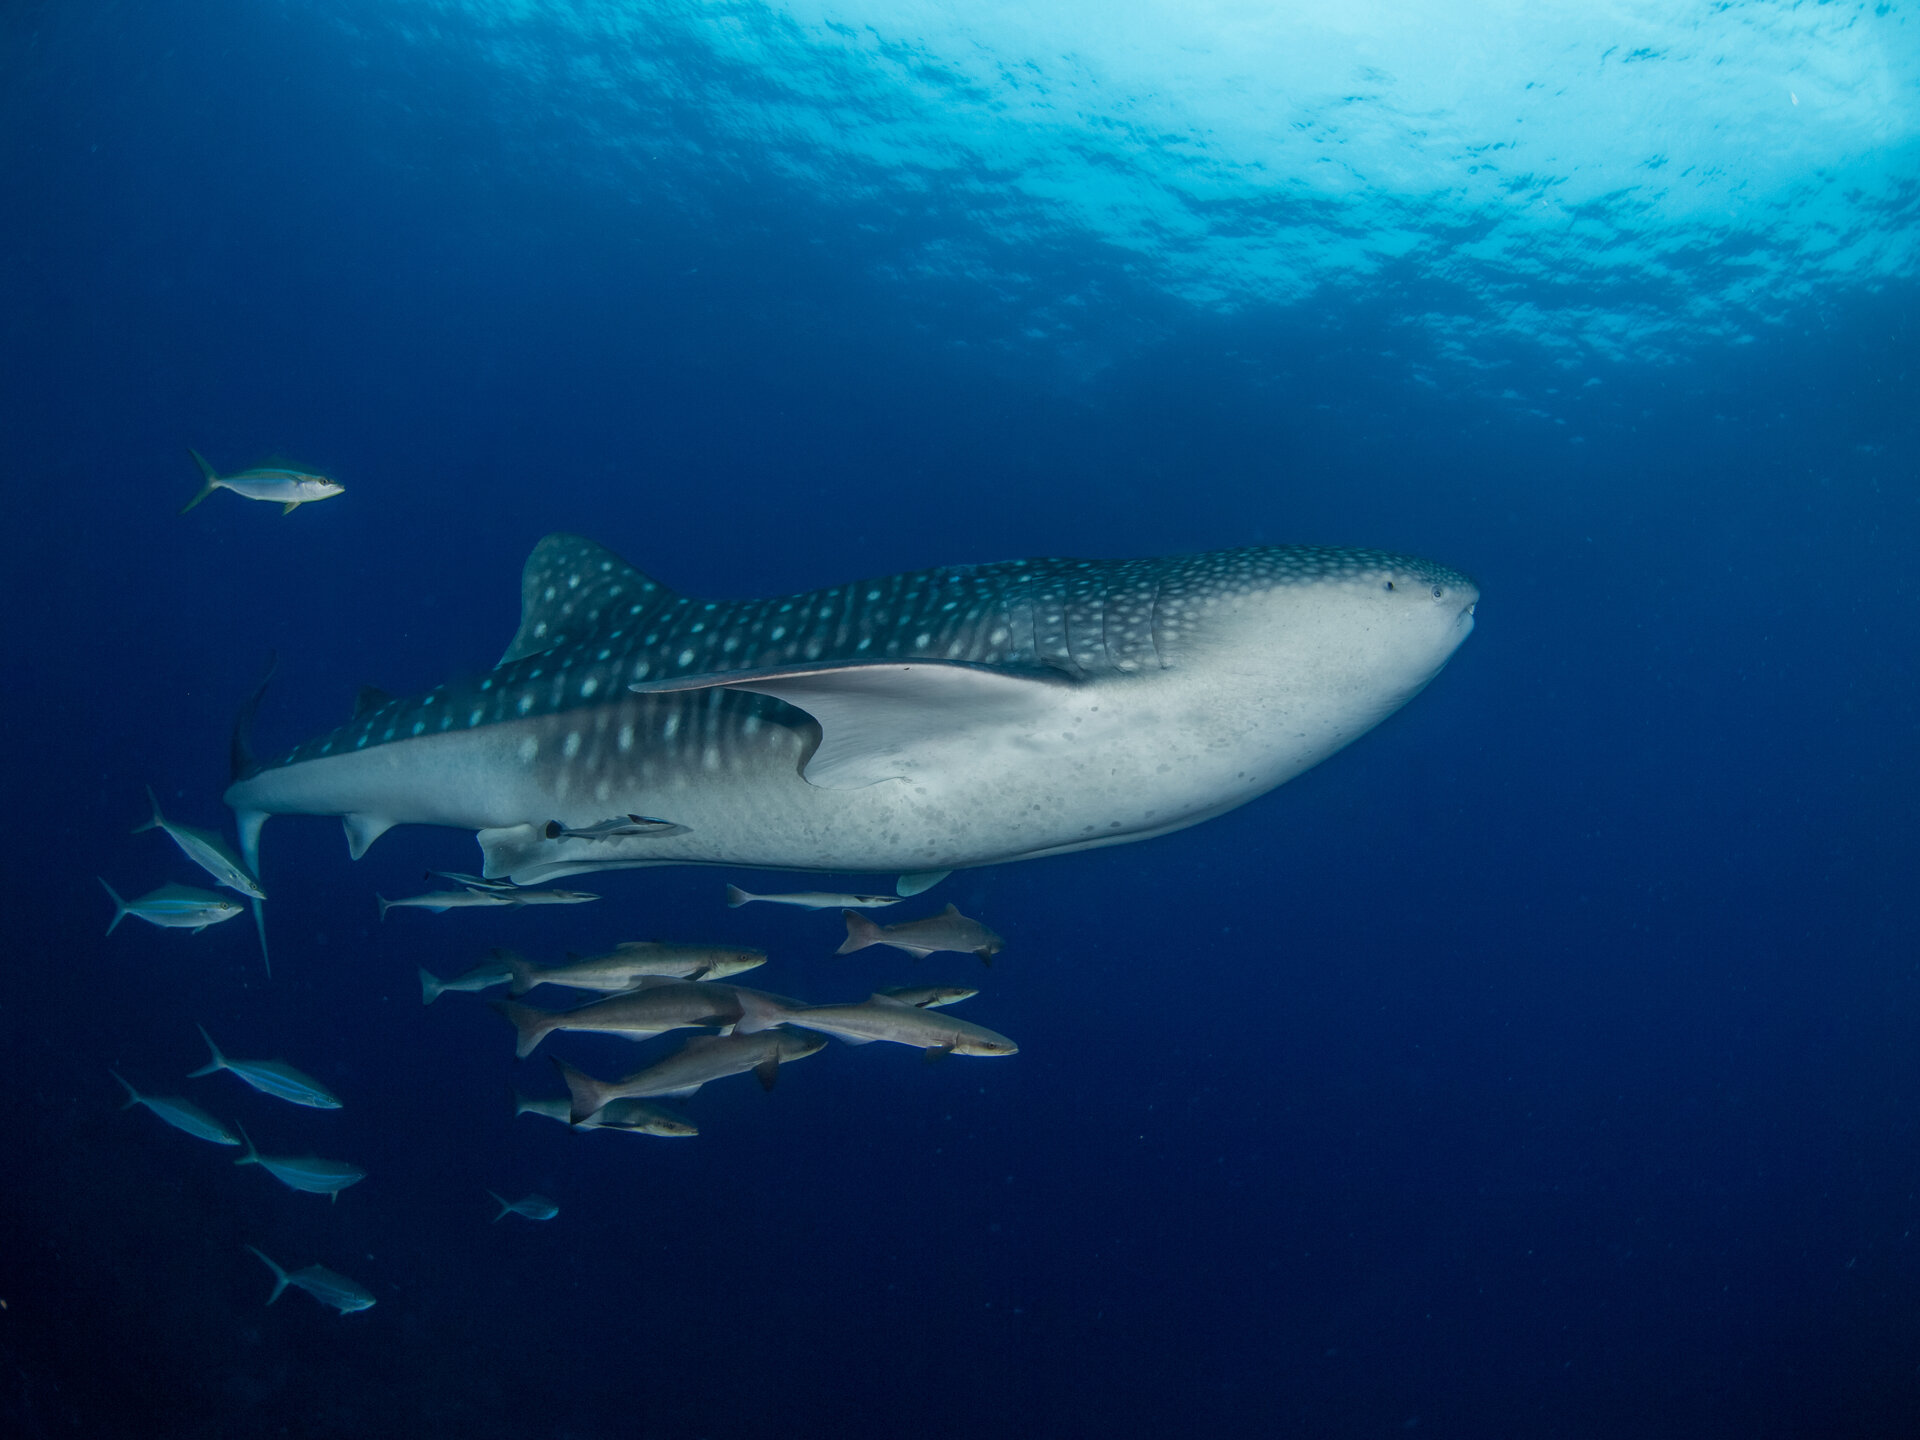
point(933, 720)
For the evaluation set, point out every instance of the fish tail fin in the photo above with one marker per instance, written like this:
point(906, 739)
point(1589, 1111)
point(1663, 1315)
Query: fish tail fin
point(505, 1208)
point(211, 481)
point(589, 1096)
point(252, 1157)
point(218, 1062)
point(120, 911)
point(521, 969)
point(280, 1276)
point(133, 1095)
point(758, 1013)
point(521, 1103)
point(736, 897)
point(532, 1025)
point(157, 821)
point(861, 932)
point(430, 987)
point(260, 929)
point(385, 904)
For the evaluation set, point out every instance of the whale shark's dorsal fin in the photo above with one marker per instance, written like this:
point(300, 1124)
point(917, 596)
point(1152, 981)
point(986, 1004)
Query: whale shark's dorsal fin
point(571, 588)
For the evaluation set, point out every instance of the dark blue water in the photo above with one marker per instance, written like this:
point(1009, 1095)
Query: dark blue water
point(1543, 1065)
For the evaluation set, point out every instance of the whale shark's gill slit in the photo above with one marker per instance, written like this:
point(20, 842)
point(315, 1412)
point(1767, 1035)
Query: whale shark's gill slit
point(1153, 627)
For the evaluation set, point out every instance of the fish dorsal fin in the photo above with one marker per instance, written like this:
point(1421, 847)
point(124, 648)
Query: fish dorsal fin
point(572, 587)
point(891, 720)
point(369, 697)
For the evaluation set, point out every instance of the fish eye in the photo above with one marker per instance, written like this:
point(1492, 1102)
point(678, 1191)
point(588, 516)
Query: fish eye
point(1389, 584)
point(1438, 592)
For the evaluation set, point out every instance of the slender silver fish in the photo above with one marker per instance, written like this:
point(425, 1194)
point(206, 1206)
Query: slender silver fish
point(473, 882)
point(534, 1207)
point(811, 900)
point(702, 1059)
point(269, 1077)
point(653, 1009)
point(949, 930)
point(549, 897)
point(180, 1113)
point(883, 1018)
point(928, 997)
point(207, 849)
point(613, 829)
point(635, 1117)
point(492, 971)
point(303, 1172)
point(441, 901)
point(629, 962)
point(290, 489)
point(323, 1284)
point(173, 907)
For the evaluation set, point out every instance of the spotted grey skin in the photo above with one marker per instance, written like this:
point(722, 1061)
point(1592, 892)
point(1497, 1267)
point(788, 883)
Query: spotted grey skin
point(934, 720)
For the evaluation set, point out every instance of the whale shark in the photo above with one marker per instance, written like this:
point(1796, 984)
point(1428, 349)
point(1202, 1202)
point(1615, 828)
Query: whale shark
point(923, 722)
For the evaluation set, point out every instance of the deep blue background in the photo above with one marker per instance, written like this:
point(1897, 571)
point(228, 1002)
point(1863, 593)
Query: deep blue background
point(1541, 1066)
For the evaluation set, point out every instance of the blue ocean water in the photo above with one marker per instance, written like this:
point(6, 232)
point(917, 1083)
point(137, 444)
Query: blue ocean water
point(1541, 1065)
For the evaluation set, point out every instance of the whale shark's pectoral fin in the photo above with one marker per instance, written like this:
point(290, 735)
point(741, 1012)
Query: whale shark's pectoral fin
point(889, 720)
point(363, 830)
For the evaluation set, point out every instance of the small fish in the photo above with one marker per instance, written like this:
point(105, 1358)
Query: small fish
point(441, 901)
point(702, 1059)
point(635, 1117)
point(473, 882)
point(321, 1283)
point(883, 1018)
point(489, 972)
point(614, 829)
point(629, 962)
point(206, 849)
point(534, 1207)
point(303, 1172)
point(949, 930)
point(174, 907)
point(269, 1077)
point(549, 897)
point(928, 997)
point(654, 1009)
point(290, 489)
point(179, 1113)
point(811, 900)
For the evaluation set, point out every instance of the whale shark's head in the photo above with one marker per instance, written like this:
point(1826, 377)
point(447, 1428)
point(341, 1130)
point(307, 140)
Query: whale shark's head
point(1365, 628)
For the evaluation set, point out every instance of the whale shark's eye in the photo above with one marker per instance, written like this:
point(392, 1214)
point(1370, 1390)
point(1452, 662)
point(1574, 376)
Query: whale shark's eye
point(1438, 592)
point(1389, 584)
